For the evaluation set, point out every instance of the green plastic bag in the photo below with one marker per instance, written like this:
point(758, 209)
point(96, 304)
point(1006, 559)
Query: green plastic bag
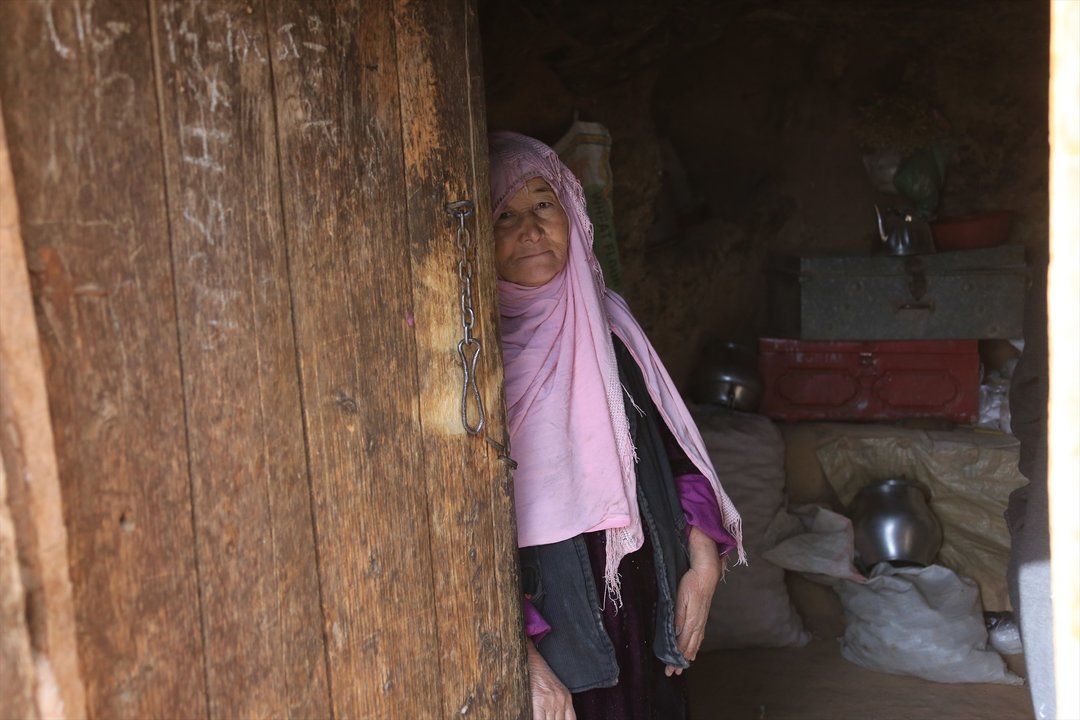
point(586, 150)
point(920, 177)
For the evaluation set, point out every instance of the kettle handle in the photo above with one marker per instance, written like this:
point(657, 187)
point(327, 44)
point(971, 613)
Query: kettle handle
point(881, 225)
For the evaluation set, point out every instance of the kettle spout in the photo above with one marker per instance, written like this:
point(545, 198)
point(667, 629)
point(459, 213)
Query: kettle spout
point(881, 225)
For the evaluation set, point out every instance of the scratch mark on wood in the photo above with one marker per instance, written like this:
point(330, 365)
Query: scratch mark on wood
point(288, 49)
point(249, 45)
point(90, 290)
point(52, 165)
point(50, 27)
point(218, 91)
point(213, 225)
point(203, 137)
point(82, 146)
point(127, 101)
point(170, 40)
point(327, 128)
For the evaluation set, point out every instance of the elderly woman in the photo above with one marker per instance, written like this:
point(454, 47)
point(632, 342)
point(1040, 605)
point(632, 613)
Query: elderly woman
point(622, 524)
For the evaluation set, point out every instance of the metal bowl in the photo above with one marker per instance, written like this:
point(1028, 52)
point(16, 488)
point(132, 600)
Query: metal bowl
point(727, 375)
point(893, 522)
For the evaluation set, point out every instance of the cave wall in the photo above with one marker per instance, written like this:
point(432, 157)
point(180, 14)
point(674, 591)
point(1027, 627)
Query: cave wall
point(735, 130)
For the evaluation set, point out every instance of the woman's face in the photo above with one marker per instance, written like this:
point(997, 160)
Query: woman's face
point(531, 235)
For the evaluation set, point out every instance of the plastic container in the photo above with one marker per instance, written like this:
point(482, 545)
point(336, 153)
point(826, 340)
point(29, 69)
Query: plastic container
point(974, 231)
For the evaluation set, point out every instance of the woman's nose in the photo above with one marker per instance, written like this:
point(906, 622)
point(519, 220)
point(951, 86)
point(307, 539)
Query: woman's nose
point(531, 230)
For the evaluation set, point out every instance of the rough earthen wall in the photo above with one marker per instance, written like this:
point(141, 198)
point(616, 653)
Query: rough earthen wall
point(756, 102)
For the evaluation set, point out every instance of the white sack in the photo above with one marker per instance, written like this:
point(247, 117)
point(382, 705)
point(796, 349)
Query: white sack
point(751, 608)
point(925, 622)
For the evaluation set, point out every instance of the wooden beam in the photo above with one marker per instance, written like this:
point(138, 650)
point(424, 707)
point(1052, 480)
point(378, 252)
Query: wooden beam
point(77, 85)
point(28, 460)
point(16, 658)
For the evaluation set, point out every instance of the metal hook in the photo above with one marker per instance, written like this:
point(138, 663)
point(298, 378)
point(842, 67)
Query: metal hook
point(471, 388)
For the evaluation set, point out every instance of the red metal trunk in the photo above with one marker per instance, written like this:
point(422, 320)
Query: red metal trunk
point(883, 380)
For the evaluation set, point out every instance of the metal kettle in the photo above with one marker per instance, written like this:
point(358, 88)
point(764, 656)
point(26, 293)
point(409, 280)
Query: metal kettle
point(904, 233)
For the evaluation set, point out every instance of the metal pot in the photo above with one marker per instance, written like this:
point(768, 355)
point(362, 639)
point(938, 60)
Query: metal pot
point(893, 522)
point(727, 375)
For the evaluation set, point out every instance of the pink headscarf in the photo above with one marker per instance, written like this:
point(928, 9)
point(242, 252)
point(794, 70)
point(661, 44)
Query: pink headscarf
point(568, 427)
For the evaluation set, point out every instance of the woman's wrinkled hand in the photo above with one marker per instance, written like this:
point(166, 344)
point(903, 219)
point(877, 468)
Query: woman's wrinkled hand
point(550, 698)
point(694, 596)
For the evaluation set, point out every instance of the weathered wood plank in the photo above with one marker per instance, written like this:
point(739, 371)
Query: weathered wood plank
point(502, 498)
point(16, 660)
point(265, 654)
point(79, 105)
point(340, 138)
point(479, 624)
point(27, 453)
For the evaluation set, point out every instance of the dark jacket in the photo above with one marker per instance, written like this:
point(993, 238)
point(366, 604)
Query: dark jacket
point(560, 580)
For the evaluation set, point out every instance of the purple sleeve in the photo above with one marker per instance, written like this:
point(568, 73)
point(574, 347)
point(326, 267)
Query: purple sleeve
point(696, 497)
point(699, 504)
point(536, 627)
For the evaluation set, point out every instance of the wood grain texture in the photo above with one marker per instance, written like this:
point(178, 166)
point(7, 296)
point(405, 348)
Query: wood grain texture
point(265, 653)
point(16, 660)
point(507, 580)
point(335, 85)
point(78, 100)
point(480, 639)
point(211, 309)
point(28, 456)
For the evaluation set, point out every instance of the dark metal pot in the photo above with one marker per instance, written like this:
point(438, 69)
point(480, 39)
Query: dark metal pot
point(727, 375)
point(893, 522)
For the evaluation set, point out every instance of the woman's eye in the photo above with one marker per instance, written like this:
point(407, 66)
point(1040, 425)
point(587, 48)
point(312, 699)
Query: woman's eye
point(503, 216)
point(544, 205)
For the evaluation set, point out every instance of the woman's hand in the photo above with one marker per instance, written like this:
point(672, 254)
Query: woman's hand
point(694, 596)
point(550, 698)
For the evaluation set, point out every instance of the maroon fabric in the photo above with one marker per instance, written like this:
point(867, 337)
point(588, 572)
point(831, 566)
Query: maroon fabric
point(643, 692)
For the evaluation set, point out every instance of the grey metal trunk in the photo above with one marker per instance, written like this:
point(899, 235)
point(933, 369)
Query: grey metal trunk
point(973, 294)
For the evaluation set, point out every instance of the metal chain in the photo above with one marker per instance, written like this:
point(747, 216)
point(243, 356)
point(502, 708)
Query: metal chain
point(468, 347)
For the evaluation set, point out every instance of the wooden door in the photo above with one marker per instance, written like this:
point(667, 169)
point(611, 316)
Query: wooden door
point(246, 285)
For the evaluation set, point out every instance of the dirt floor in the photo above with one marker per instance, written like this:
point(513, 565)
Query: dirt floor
point(815, 683)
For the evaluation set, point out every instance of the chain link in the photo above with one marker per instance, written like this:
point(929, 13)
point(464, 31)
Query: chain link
point(469, 346)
